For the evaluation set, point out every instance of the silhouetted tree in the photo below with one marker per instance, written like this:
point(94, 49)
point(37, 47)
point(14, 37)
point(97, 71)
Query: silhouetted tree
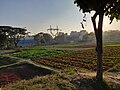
point(110, 8)
point(61, 38)
point(43, 38)
point(4, 37)
point(16, 34)
point(10, 36)
point(48, 38)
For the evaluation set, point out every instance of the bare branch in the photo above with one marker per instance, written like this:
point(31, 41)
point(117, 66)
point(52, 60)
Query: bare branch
point(94, 22)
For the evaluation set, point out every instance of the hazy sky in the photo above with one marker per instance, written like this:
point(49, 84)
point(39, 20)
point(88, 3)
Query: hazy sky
point(38, 15)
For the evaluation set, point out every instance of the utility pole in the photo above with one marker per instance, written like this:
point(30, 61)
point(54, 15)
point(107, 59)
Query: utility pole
point(54, 31)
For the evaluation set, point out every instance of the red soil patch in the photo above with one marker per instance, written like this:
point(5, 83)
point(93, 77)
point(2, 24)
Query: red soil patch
point(8, 77)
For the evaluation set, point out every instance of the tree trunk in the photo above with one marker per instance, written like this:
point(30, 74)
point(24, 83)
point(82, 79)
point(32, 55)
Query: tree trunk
point(99, 49)
point(15, 42)
point(16, 46)
point(99, 75)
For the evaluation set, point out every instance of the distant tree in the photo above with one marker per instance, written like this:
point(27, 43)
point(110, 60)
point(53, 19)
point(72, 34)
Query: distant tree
point(91, 37)
point(16, 34)
point(37, 38)
point(85, 38)
point(83, 35)
point(48, 38)
point(75, 36)
point(4, 37)
point(110, 8)
point(43, 39)
point(10, 36)
point(112, 35)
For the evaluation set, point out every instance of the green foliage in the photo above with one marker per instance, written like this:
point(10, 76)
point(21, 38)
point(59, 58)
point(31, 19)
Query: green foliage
point(37, 52)
point(43, 38)
point(110, 8)
point(10, 36)
point(87, 5)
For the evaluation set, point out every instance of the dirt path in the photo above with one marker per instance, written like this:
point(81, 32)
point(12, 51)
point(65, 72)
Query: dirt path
point(69, 48)
point(108, 76)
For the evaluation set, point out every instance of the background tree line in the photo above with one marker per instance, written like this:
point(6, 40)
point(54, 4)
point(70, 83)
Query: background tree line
point(111, 35)
point(74, 37)
point(10, 37)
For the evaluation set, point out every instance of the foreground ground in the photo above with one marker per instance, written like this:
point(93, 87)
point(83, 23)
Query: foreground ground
point(66, 81)
point(75, 67)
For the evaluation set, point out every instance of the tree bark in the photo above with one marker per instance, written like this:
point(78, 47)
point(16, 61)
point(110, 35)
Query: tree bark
point(99, 49)
point(99, 75)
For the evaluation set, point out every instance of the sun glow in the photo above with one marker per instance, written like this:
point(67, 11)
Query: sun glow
point(106, 22)
point(107, 26)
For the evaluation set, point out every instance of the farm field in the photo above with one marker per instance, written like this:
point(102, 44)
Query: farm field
point(60, 58)
point(65, 59)
point(6, 60)
point(82, 59)
point(36, 52)
point(17, 65)
point(8, 57)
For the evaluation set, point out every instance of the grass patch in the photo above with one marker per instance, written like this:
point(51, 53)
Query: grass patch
point(49, 82)
point(62, 81)
point(115, 45)
point(84, 45)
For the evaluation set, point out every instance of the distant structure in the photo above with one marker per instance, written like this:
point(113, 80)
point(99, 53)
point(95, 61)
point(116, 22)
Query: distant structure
point(52, 31)
point(26, 41)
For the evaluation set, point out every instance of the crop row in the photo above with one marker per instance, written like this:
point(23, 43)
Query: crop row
point(33, 53)
point(83, 59)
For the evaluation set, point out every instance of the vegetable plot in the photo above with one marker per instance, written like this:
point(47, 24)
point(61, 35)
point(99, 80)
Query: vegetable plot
point(82, 59)
point(32, 53)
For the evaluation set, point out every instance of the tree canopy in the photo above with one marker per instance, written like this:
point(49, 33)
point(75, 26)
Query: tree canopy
point(10, 36)
point(43, 39)
point(110, 8)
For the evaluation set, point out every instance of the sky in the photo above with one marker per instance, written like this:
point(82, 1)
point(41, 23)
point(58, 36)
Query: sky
point(38, 15)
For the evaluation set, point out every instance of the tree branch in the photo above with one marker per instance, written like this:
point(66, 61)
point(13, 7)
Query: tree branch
point(94, 25)
point(94, 22)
